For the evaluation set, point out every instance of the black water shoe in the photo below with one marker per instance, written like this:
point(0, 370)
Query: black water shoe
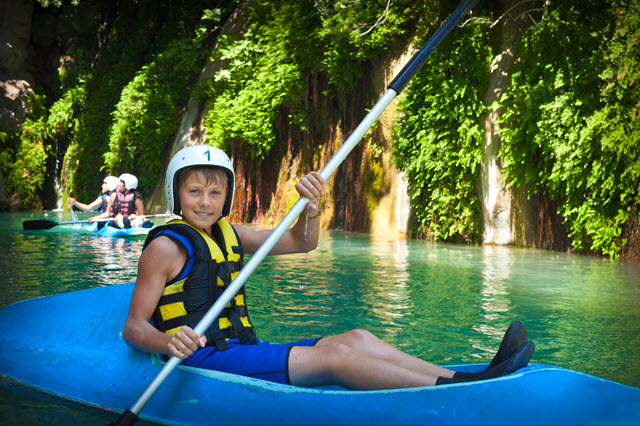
point(515, 336)
point(512, 364)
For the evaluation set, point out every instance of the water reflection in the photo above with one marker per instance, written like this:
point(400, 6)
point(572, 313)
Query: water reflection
point(389, 297)
point(62, 259)
point(495, 305)
point(347, 282)
point(114, 258)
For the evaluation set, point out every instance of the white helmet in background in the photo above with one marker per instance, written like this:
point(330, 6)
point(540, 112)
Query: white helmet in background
point(112, 182)
point(197, 155)
point(130, 181)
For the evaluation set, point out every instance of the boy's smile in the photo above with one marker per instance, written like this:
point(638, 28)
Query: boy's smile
point(201, 202)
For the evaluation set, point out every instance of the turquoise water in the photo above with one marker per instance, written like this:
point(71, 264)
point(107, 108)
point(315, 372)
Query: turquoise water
point(446, 303)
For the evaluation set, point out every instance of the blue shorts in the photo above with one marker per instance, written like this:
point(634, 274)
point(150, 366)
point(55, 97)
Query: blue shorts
point(266, 361)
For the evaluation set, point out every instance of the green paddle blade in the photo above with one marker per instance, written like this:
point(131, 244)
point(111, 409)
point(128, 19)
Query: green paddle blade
point(34, 225)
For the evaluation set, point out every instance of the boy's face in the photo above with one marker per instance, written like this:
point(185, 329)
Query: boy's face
point(105, 187)
point(201, 202)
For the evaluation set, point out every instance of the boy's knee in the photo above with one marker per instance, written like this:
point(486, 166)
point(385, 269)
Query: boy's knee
point(359, 335)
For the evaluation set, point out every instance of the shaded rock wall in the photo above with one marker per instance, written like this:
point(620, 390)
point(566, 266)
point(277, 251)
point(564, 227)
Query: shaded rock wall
point(16, 81)
point(266, 190)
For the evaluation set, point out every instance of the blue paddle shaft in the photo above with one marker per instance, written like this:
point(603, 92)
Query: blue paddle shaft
point(417, 61)
point(395, 87)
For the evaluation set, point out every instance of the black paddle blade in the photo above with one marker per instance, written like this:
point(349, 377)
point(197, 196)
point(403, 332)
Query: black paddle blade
point(127, 418)
point(35, 225)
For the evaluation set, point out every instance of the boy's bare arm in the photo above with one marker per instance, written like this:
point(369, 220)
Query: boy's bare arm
point(161, 261)
point(302, 237)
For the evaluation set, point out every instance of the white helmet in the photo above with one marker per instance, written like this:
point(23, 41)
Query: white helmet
point(130, 181)
point(197, 155)
point(112, 182)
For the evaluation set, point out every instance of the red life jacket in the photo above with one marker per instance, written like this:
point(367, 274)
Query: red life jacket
point(125, 204)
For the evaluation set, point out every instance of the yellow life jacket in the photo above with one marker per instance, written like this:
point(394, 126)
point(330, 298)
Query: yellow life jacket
point(209, 270)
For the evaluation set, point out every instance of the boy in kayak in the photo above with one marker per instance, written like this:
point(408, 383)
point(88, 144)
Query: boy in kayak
point(109, 184)
point(186, 265)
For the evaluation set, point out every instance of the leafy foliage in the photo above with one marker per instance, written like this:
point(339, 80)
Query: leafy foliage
point(22, 157)
point(438, 141)
point(135, 89)
point(24, 170)
point(145, 116)
point(572, 118)
point(247, 96)
point(265, 72)
point(56, 3)
point(63, 112)
point(353, 32)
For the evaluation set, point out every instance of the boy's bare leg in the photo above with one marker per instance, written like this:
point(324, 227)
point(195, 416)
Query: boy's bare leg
point(367, 343)
point(359, 360)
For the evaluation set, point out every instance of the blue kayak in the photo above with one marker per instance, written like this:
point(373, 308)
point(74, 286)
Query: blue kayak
point(112, 231)
point(70, 345)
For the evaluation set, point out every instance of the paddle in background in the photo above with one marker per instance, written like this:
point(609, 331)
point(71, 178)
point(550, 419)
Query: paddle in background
point(130, 416)
point(43, 224)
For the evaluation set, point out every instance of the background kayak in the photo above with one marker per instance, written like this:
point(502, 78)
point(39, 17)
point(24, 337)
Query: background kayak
point(116, 232)
point(70, 345)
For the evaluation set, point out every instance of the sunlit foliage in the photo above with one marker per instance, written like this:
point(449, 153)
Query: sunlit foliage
point(572, 118)
point(439, 137)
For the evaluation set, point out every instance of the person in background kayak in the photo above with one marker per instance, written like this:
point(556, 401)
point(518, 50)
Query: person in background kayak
point(129, 205)
point(186, 265)
point(109, 185)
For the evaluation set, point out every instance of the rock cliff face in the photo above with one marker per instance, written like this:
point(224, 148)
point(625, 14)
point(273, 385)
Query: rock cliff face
point(16, 81)
point(365, 194)
point(509, 216)
point(33, 43)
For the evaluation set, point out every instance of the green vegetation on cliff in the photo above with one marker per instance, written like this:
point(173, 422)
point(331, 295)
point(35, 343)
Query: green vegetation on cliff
point(438, 139)
point(572, 118)
point(137, 88)
point(571, 125)
point(267, 69)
